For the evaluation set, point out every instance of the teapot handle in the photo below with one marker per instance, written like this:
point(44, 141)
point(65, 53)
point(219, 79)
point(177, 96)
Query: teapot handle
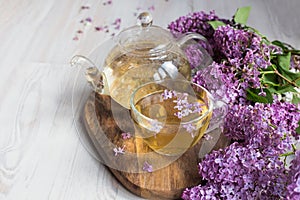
point(218, 115)
point(193, 46)
point(190, 36)
point(92, 74)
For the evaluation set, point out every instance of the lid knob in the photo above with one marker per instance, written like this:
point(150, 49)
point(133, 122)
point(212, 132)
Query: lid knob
point(145, 19)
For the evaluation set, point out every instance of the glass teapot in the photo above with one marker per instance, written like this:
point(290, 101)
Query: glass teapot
point(140, 54)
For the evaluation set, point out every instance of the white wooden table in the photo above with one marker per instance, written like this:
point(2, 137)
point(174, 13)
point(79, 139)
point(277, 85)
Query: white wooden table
point(41, 156)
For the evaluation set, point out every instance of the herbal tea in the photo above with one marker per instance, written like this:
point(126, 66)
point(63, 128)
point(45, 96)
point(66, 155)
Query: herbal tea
point(174, 121)
point(126, 71)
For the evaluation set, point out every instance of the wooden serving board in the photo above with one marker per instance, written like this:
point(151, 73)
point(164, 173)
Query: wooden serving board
point(105, 120)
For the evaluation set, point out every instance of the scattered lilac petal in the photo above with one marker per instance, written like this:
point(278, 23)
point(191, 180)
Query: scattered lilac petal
point(181, 102)
point(185, 112)
point(117, 21)
point(151, 8)
point(119, 150)
point(99, 28)
point(147, 167)
point(85, 7)
point(167, 94)
point(88, 19)
point(75, 38)
point(263, 94)
point(190, 128)
point(79, 31)
point(207, 137)
point(197, 107)
point(109, 2)
point(182, 96)
point(126, 135)
point(178, 114)
point(156, 126)
point(178, 107)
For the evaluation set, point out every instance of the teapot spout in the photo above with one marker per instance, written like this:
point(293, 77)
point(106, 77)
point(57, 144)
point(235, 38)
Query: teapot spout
point(92, 74)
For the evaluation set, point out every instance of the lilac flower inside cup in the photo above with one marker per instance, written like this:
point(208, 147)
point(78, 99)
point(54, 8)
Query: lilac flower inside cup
point(172, 115)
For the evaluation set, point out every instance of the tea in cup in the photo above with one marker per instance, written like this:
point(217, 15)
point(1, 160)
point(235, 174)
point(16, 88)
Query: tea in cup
point(171, 115)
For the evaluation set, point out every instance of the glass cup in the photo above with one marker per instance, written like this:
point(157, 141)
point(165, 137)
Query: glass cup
point(172, 115)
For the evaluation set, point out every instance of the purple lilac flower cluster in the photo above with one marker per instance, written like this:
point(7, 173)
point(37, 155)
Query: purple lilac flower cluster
point(239, 172)
point(209, 78)
point(239, 54)
point(245, 55)
point(270, 127)
point(293, 189)
point(194, 55)
point(245, 52)
point(239, 44)
point(250, 168)
point(195, 22)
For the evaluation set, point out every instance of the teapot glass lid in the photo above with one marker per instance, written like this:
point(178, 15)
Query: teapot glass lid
point(145, 37)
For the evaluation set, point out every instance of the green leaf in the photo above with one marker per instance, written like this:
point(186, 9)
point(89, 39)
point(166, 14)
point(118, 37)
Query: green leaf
point(270, 83)
point(242, 14)
point(298, 129)
point(284, 89)
point(295, 99)
point(253, 95)
point(284, 61)
point(283, 67)
point(272, 89)
point(292, 76)
point(278, 43)
point(270, 78)
point(216, 24)
point(286, 47)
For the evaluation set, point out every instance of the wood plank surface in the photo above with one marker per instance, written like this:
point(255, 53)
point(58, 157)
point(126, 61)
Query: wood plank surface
point(41, 153)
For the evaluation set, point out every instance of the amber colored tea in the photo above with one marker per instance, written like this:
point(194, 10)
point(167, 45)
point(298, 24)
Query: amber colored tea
point(173, 124)
point(132, 69)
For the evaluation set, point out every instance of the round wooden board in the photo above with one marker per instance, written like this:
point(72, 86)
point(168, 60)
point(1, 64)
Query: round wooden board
point(105, 120)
